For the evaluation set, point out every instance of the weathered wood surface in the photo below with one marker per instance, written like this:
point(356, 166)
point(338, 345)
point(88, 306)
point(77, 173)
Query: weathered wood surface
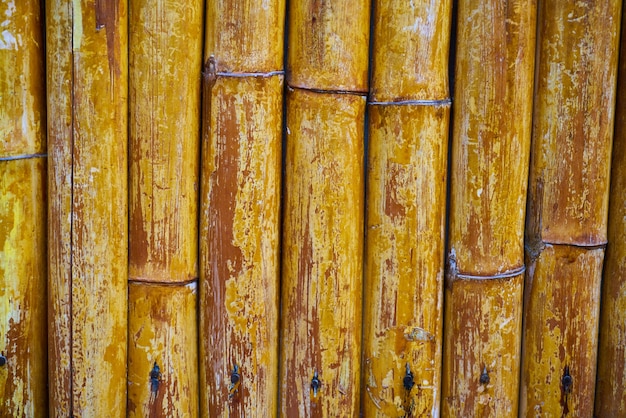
point(404, 265)
point(165, 59)
point(23, 262)
point(245, 36)
point(482, 347)
point(611, 380)
point(87, 139)
point(239, 251)
point(568, 203)
point(322, 254)
point(328, 45)
point(162, 331)
point(490, 149)
point(410, 49)
point(560, 331)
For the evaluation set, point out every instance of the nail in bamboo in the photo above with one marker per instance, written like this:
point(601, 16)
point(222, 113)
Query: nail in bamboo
point(87, 138)
point(165, 58)
point(568, 203)
point(490, 149)
point(409, 113)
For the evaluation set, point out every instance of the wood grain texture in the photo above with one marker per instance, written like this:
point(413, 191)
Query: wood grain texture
point(328, 44)
point(483, 326)
point(239, 251)
point(92, 140)
point(23, 338)
point(403, 309)
point(59, 70)
point(322, 254)
point(410, 50)
point(23, 262)
point(165, 58)
point(162, 329)
point(611, 380)
point(562, 303)
point(573, 121)
point(245, 36)
point(491, 134)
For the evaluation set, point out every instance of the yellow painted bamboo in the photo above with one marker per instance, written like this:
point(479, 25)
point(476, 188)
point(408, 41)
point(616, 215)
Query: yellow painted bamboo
point(165, 51)
point(23, 369)
point(328, 45)
point(410, 50)
point(403, 316)
point(162, 332)
point(611, 380)
point(322, 255)
point(58, 16)
point(92, 139)
point(245, 36)
point(568, 203)
point(239, 252)
point(560, 332)
point(490, 149)
point(482, 347)
point(404, 259)
point(23, 378)
point(165, 60)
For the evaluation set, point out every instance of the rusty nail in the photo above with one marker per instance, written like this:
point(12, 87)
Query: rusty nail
point(315, 383)
point(408, 381)
point(155, 377)
point(3, 360)
point(484, 376)
point(567, 381)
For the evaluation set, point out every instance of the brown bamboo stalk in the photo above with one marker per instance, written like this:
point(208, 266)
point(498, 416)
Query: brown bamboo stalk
point(162, 353)
point(611, 380)
point(568, 204)
point(490, 148)
point(240, 207)
point(240, 204)
point(403, 309)
point(165, 59)
point(86, 47)
point(23, 368)
point(322, 246)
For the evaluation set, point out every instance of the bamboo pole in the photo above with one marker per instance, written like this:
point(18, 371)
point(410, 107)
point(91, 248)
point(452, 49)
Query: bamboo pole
point(322, 245)
point(87, 110)
point(165, 58)
point(23, 368)
point(323, 208)
point(568, 204)
point(162, 353)
point(240, 208)
point(611, 380)
point(490, 149)
point(408, 136)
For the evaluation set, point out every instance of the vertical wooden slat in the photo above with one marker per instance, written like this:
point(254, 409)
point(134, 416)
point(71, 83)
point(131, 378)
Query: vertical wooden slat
point(162, 328)
point(88, 43)
point(240, 207)
point(23, 370)
point(165, 57)
point(611, 380)
point(322, 247)
point(490, 148)
point(568, 204)
point(408, 136)
point(239, 224)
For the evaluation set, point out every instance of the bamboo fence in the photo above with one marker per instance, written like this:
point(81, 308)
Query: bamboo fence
point(269, 208)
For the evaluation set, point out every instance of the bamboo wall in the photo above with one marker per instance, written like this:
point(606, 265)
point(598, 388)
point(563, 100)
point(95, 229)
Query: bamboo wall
point(377, 208)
